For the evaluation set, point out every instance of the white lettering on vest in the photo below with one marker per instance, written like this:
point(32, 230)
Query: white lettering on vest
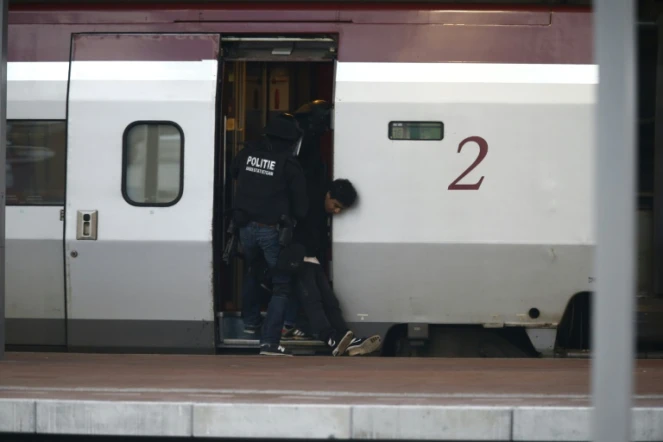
point(262, 166)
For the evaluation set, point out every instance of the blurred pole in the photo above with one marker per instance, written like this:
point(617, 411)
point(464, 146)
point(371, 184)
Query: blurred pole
point(658, 168)
point(613, 303)
point(3, 158)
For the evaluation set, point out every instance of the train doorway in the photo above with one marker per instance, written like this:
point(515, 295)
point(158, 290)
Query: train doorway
point(262, 77)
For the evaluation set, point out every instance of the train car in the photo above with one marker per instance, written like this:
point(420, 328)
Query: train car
point(467, 131)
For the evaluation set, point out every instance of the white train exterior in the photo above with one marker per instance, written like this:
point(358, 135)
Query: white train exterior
point(487, 221)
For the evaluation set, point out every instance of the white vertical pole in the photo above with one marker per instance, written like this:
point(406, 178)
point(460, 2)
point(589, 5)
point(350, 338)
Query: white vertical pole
point(613, 303)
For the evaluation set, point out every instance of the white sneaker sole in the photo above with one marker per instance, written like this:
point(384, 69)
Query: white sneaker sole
point(343, 344)
point(368, 346)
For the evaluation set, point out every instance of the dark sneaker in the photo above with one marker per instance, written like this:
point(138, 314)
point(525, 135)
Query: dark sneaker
point(292, 333)
point(339, 347)
point(364, 346)
point(274, 350)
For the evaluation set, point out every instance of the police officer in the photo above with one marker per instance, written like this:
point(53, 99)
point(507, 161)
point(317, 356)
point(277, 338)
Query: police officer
point(271, 191)
point(314, 119)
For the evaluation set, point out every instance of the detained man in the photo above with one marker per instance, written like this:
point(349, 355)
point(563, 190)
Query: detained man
point(311, 286)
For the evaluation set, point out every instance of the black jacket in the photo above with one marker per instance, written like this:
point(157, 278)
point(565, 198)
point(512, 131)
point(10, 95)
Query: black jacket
point(270, 183)
point(313, 231)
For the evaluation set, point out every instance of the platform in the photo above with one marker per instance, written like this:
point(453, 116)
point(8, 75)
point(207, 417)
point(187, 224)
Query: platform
point(311, 397)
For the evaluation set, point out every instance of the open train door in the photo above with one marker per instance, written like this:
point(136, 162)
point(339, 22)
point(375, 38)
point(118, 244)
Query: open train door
point(139, 195)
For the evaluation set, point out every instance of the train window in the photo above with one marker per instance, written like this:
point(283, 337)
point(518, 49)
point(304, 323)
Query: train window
point(153, 163)
point(416, 130)
point(35, 162)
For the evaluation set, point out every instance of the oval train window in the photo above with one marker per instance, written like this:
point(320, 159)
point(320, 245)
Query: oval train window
point(153, 166)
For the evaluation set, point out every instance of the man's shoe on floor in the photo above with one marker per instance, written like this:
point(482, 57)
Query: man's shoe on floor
point(293, 333)
point(274, 350)
point(339, 347)
point(364, 346)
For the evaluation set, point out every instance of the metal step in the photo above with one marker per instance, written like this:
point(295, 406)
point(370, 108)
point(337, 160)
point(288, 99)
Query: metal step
point(232, 336)
point(255, 343)
point(300, 348)
point(296, 347)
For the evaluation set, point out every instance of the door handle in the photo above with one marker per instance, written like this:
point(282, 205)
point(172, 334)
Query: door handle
point(86, 224)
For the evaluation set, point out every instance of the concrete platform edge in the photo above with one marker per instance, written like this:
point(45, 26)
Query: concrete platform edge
point(425, 422)
point(311, 421)
point(573, 424)
point(17, 415)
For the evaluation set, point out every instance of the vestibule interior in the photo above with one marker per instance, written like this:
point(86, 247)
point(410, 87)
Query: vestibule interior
point(261, 80)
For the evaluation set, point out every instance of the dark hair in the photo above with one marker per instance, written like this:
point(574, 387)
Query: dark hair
point(343, 191)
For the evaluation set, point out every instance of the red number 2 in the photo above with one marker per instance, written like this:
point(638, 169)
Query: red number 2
point(483, 151)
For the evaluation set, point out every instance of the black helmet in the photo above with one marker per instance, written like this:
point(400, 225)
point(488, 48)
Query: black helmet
point(285, 127)
point(314, 116)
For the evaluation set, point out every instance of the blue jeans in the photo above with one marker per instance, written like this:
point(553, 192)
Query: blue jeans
point(262, 240)
point(291, 312)
point(252, 298)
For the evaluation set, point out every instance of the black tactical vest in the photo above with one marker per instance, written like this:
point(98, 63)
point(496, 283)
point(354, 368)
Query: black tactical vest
point(262, 192)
